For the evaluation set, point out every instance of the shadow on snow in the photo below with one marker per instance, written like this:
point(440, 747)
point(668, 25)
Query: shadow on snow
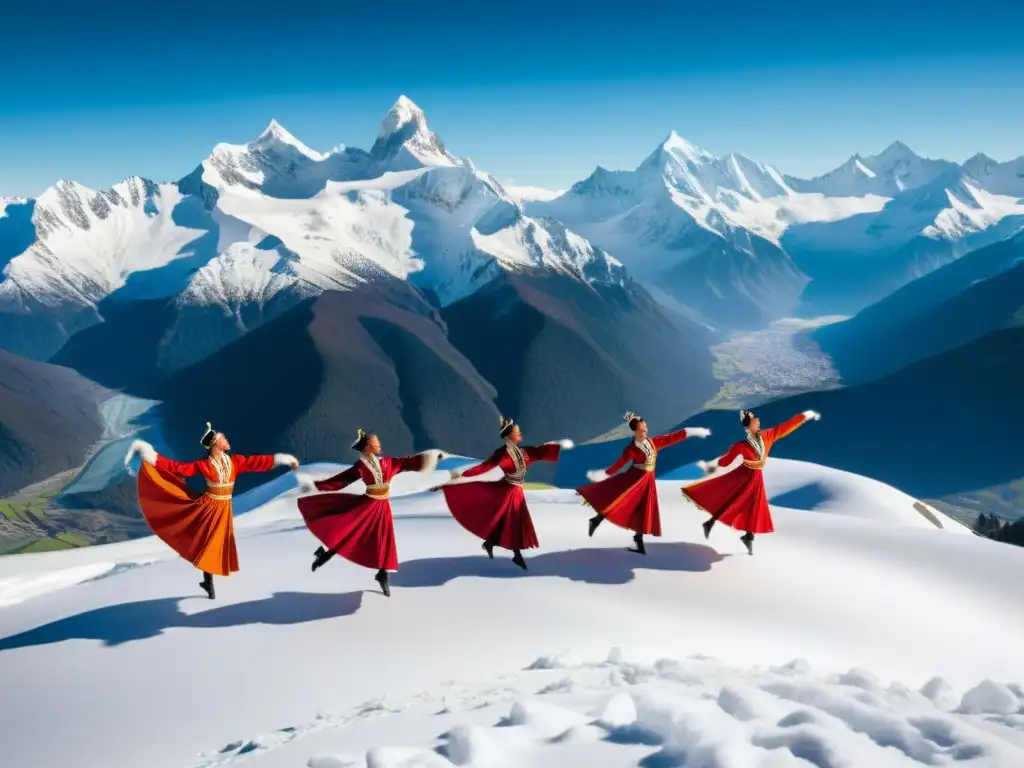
point(123, 623)
point(599, 565)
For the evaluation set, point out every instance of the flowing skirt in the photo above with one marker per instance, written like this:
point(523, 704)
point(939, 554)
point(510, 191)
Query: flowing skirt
point(628, 499)
point(357, 527)
point(738, 498)
point(485, 507)
point(198, 528)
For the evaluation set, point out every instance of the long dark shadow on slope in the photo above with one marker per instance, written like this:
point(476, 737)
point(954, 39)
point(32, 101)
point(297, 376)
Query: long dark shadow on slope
point(115, 625)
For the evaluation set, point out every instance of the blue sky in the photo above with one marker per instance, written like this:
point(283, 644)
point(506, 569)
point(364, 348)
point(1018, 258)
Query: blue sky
point(537, 93)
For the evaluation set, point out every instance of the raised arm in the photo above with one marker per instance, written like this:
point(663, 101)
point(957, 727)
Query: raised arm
point(421, 462)
point(263, 463)
point(342, 479)
point(548, 451)
point(790, 426)
point(484, 466)
point(148, 454)
point(180, 468)
point(664, 441)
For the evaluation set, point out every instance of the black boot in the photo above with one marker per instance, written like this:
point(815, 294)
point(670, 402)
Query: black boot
point(517, 558)
point(594, 522)
point(321, 556)
point(489, 549)
point(639, 549)
point(382, 579)
point(207, 585)
point(748, 542)
point(707, 527)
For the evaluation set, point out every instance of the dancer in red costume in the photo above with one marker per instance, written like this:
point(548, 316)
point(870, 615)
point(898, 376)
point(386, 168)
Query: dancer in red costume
point(738, 498)
point(496, 511)
point(360, 527)
point(630, 500)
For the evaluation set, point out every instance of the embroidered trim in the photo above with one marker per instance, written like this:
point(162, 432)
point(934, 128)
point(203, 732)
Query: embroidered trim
point(219, 496)
point(222, 466)
point(518, 475)
point(373, 464)
point(758, 444)
point(219, 485)
point(650, 454)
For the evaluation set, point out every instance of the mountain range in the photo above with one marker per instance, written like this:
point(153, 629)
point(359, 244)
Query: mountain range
point(291, 295)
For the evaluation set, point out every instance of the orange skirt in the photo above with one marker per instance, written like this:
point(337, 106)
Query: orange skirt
point(198, 528)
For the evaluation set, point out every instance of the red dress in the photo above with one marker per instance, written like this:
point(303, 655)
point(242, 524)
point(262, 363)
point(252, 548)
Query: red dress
point(360, 527)
point(738, 498)
point(630, 500)
point(482, 507)
point(198, 526)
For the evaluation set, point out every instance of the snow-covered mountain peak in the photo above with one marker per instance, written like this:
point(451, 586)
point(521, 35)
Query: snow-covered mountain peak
point(275, 135)
point(895, 152)
point(680, 149)
point(979, 165)
point(402, 112)
point(892, 171)
point(405, 141)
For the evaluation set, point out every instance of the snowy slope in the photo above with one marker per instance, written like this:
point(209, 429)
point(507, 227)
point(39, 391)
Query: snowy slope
point(524, 194)
point(594, 656)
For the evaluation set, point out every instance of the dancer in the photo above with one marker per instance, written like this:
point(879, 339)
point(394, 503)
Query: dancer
point(199, 527)
point(738, 498)
point(630, 500)
point(496, 511)
point(360, 527)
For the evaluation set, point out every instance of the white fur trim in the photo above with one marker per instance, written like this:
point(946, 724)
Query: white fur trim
point(430, 459)
point(708, 467)
point(811, 415)
point(285, 460)
point(597, 475)
point(146, 452)
point(565, 445)
point(697, 432)
point(305, 483)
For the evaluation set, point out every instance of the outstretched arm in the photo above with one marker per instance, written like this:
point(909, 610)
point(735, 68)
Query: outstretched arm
point(263, 463)
point(149, 455)
point(421, 462)
point(337, 482)
point(597, 475)
point(664, 441)
point(548, 451)
point(710, 467)
point(790, 426)
point(484, 466)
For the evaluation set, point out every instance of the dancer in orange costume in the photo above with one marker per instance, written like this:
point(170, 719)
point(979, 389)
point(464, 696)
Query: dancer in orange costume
point(630, 500)
point(738, 498)
point(496, 511)
point(198, 526)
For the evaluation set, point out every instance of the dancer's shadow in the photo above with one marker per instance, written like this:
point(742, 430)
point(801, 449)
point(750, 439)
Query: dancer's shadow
point(593, 566)
point(123, 623)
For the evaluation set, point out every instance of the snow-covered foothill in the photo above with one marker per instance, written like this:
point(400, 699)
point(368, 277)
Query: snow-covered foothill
point(687, 651)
